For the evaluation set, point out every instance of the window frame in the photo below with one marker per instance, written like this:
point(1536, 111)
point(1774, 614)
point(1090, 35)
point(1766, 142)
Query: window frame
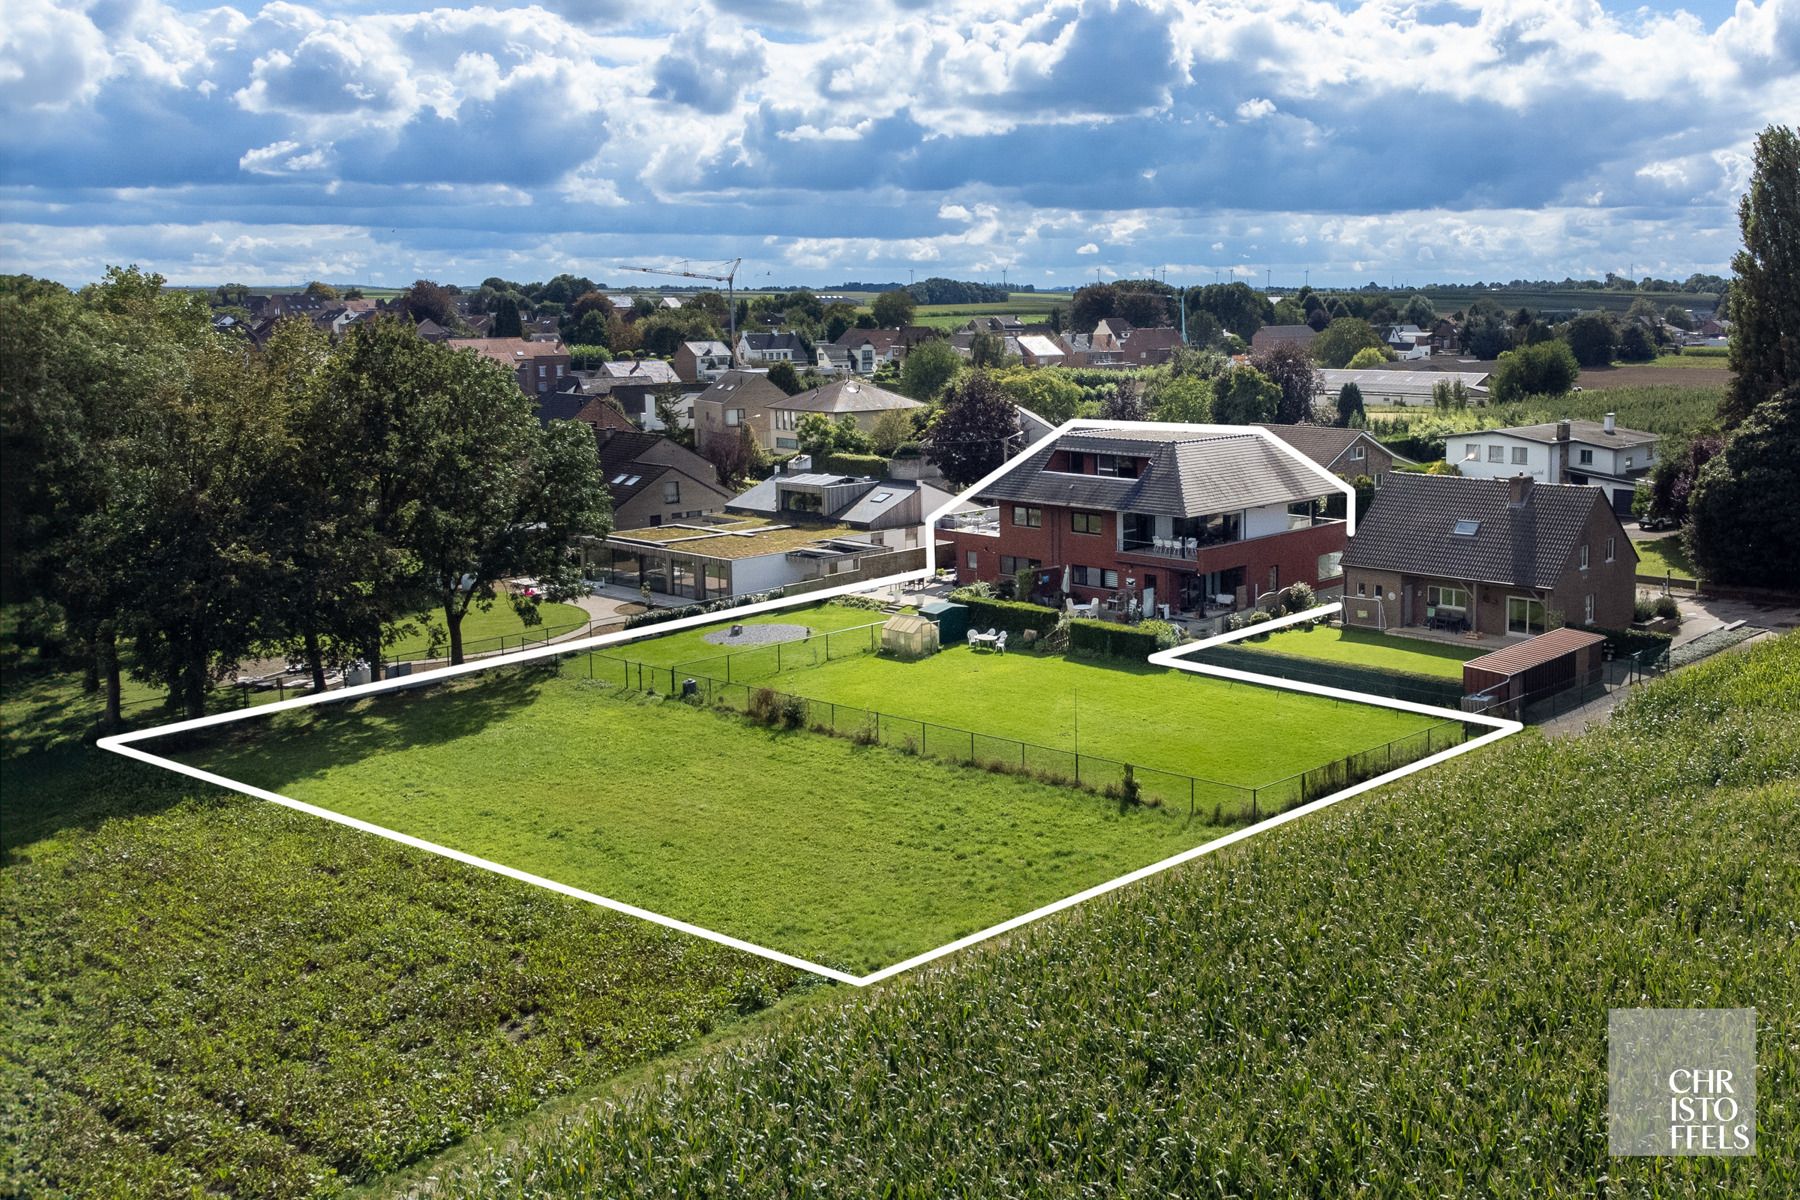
point(1086, 523)
point(1032, 514)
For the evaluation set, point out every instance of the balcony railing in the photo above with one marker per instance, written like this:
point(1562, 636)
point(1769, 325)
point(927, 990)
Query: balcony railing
point(984, 520)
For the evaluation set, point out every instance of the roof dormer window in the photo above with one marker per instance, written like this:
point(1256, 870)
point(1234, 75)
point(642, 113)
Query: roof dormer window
point(1467, 528)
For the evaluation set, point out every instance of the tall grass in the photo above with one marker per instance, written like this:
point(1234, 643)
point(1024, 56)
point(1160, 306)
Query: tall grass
point(1405, 996)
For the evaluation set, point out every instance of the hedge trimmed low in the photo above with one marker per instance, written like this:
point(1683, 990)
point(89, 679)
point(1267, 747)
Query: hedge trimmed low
point(851, 464)
point(1012, 616)
point(1110, 639)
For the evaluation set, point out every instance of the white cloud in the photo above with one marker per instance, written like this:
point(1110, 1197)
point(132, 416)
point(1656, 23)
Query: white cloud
point(1255, 110)
point(1087, 248)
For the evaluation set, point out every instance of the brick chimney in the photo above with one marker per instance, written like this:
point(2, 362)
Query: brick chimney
point(1518, 490)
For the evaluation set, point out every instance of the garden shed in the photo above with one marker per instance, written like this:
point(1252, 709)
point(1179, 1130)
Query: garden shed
point(909, 636)
point(951, 619)
point(1552, 662)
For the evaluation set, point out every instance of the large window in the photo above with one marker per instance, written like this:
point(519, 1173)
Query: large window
point(1093, 577)
point(672, 491)
point(682, 581)
point(718, 579)
point(1012, 564)
point(1518, 456)
point(1084, 522)
point(734, 417)
point(1496, 454)
point(1027, 518)
point(1587, 458)
point(1446, 597)
point(1524, 615)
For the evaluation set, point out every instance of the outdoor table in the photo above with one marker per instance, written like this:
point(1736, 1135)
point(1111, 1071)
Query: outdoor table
point(978, 640)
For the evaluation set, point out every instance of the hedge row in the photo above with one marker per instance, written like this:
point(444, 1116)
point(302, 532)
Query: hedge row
point(1011, 615)
point(1632, 641)
point(850, 464)
point(1111, 639)
point(1378, 681)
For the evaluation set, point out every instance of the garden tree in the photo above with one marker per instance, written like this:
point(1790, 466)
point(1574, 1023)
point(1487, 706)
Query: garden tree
point(644, 306)
point(622, 336)
point(1237, 307)
point(1125, 403)
point(929, 368)
point(892, 428)
point(1593, 339)
point(1204, 330)
point(893, 309)
point(783, 376)
point(1744, 514)
point(1765, 296)
point(987, 350)
point(1058, 318)
point(737, 459)
point(1291, 370)
point(1484, 332)
point(564, 289)
point(1245, 396)
point(972, 430)
point(663, 333)
point(675, 426)
point(1350, 405)
point(1184, 398)
point(590, 329)
point(866, 321)
point(1341, 340)
point(1091, 305)
point(713, 304)
point(1367, 357)
point(816, 434)
point(1046, 391)
point(320, 291)
point(1419, 311)
point(1316, 320)
point(838, 324)
point(1449, 393)
point(589, 302)
point(500, 496)
point(1146, 303)
point(1546, 369)
point(584, 356)
point(1678, 465)
point(507, 322)
point(1636, 344)
point(426, 300)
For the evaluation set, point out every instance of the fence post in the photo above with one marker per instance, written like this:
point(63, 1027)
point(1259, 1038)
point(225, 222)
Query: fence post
point(1190, 797)
point(778, 658)
point(971, 747)
point(1254, 793)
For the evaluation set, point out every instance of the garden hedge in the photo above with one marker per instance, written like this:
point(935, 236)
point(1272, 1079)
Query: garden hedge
point(851, 464)
point(1110, 639)
point(1013, 616)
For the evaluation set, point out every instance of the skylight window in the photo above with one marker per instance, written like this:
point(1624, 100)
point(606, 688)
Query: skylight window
point(632, 482)
point(882, 497)
point(619, 478)
point(1467, 528)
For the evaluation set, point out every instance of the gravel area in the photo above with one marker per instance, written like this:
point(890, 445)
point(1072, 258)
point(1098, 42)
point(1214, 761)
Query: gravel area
point(758, 635)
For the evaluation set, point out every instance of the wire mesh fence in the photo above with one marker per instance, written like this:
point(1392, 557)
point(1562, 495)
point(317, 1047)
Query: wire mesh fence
point(1213, 799)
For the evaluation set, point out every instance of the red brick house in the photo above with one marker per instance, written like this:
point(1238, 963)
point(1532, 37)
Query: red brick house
point(538, 366)
point(1202, 522)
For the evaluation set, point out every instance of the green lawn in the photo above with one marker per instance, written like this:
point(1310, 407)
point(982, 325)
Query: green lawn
point(1365, 648)
point(689, 646)
point(1665, 556)
point(854, 856)
point(1167, 720)
point(1688, 361)
point(483, 631)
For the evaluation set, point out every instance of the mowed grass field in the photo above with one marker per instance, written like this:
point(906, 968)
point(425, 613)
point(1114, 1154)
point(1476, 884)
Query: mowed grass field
point(852, 856)
point(1366, 648)
point(1665, 556)
point(483, 631)
point(1232, 733)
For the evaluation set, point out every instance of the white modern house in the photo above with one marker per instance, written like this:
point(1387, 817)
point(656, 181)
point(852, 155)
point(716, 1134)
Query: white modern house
point(1596, 453)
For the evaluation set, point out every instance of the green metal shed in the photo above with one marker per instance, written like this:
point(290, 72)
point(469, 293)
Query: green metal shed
point(951, 619)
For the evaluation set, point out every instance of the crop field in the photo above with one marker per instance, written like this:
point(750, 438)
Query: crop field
point(1586, 300)
point(1366, 648)
point(847, 855)
point(215, 996)
point(1405, 995)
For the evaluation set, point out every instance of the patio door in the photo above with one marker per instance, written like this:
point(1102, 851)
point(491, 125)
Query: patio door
point(1524, 615)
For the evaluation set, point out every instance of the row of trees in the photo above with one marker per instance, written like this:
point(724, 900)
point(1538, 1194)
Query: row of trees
point(182, 502)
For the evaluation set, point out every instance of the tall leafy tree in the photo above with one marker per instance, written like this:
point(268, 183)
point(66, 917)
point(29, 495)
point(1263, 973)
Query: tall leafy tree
point(1350, 404)
point(1291, 370)
point(1546, 369)
point(973, 431)
point(929, 368)
point(1245, 396)
point(1744, 514)
point(1765, 297)
point(1342, 339)
point(507, 322)
point(1593, 339)
point(894, 308)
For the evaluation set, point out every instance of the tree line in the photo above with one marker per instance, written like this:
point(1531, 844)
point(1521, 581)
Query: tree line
point(177, 502)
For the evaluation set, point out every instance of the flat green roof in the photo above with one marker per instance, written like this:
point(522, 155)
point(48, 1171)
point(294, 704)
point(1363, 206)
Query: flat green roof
point(749, 537)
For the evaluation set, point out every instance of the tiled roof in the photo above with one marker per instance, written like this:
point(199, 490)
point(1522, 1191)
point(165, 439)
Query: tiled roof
point(1186, 475)
point(1325, 444)
point(1411, 528)
point(772, 341)
point(1271, 334)
point(742, 387)
point(511, 351)
point(1589, 433)
point(845, 396)
point(640, 370)
point(603, 414)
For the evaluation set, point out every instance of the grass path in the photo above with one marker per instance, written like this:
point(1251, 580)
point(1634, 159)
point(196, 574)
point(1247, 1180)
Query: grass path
point(852, 856)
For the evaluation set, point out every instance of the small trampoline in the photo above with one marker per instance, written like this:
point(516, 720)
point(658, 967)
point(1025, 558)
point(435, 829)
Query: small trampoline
point(757, 635)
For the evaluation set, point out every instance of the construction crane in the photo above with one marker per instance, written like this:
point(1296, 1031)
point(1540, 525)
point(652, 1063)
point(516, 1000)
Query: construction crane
point(729, 279)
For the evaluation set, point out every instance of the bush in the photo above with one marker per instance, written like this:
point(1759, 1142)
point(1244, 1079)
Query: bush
point(764, 706)
point(1108, 640)
point(1167, 636)
point(793, 712)
point(1010, 615)
point(656, 616)
point(1296, 597)
point(873, 603)
point(1642, 610)
point(850, 464)
point(1667, 608)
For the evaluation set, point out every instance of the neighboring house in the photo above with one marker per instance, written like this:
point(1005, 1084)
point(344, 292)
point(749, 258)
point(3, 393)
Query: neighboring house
point(1202, 522)
point(603, 413)
point(772, 347)
point(668, 302)
point(1036, 350)
point(864, 350)
point(653, 481)
point(893, 509)
point(1408, 342)
point(539, 367)
point(1346, 453)
point(1109, 336)
point(562, 406)
point(834, 360)
point(1400, 387)
point(862, 401)
point(1493, 556)
point(701, 362)
point(1271, 336)
point(738, 400)
point(1445, 338)
point(1149, 347)
point(1593, 453)
point(996, 325)
point(431, 331)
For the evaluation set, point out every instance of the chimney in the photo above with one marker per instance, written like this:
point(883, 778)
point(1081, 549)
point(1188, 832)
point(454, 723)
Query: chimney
point(1562, 430)
point(1518, 489)
point(1612, 423)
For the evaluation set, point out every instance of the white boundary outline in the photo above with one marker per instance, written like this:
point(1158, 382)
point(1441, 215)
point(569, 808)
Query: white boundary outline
point(124, 743)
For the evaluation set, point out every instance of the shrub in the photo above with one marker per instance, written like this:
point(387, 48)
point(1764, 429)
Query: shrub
point(850, 464)
point(1667, 608)
point(793, 712)
point(764, 707)
point(1298, 597)
point(873, 603)
point(1010, 615)
point(1167, 636)
point(1128, 791)
point(1642, 609)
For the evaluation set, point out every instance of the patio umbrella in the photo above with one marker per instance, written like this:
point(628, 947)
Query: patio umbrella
point(1065, 586)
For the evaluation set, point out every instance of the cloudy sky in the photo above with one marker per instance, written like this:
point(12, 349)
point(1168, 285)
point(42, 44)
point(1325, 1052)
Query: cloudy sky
point(377, 141)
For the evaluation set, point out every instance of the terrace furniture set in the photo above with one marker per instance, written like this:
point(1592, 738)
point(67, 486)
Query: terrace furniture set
point(993, 639)
point(1452, 620)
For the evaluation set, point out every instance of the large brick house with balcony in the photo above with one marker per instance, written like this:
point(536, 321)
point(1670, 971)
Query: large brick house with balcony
point(1203, 522)
point(1488, 557)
